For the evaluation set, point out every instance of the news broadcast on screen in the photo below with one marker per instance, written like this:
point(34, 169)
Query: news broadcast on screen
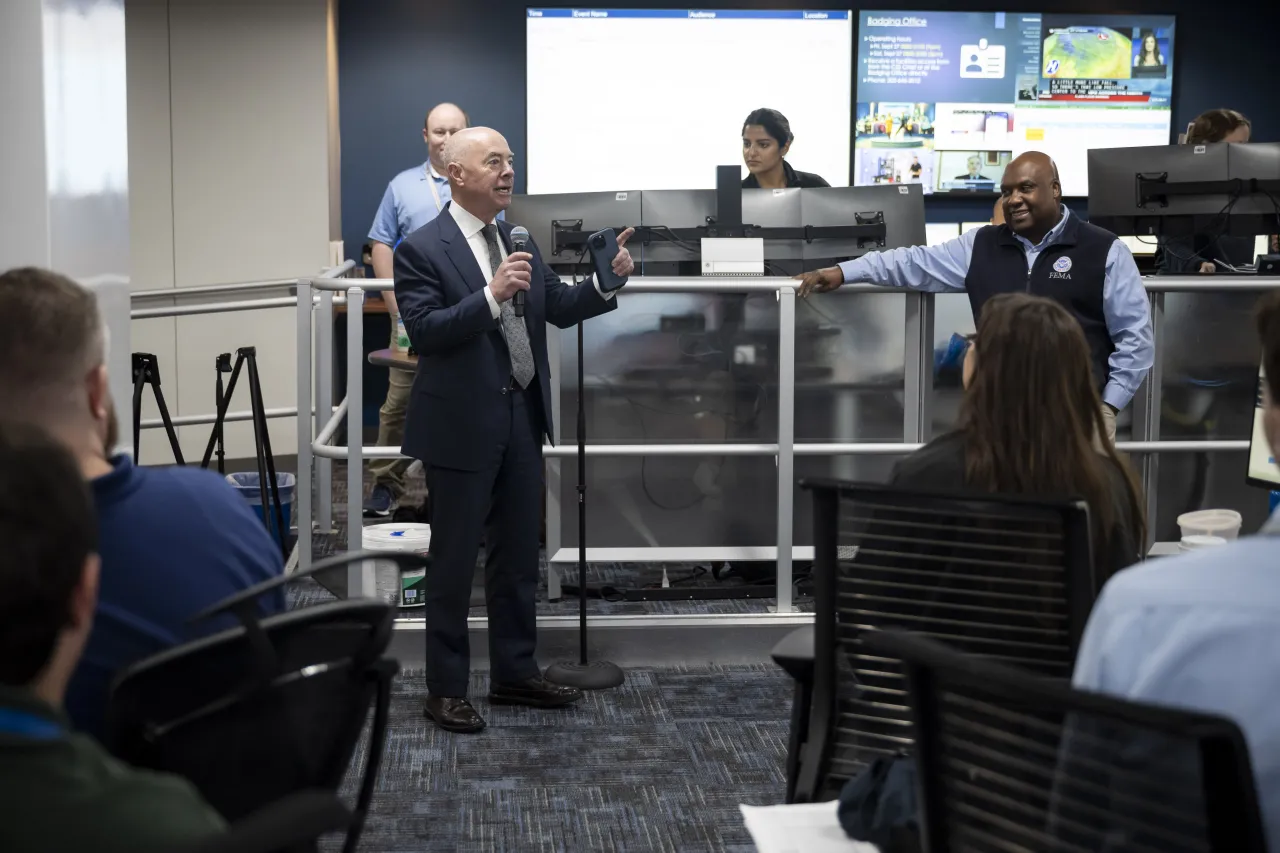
point(948, 99)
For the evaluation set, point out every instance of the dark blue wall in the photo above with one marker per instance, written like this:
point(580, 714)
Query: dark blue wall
point(398, 57)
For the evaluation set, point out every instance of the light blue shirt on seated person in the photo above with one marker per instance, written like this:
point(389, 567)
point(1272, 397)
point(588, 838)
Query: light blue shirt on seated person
point(1199, 631)
point(943, 268)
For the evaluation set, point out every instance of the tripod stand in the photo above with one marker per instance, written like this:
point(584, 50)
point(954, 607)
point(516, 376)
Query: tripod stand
point(261, 438)
point(146, 371)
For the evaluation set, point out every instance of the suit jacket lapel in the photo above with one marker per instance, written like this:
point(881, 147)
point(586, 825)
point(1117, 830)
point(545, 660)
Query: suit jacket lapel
point(459, 252)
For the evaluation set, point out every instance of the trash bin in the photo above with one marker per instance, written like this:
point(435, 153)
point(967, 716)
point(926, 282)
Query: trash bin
point(247, 484)
point(412, 537)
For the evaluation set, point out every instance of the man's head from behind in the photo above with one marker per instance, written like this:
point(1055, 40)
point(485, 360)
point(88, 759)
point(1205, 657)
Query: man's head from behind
point(481, 171)
point(1031, 195)
point(53, 359)
point(1268, 323)
point(442, 122)
point(48, 561)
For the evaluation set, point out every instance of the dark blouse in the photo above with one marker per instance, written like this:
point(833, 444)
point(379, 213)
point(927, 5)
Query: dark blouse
point(795, 178)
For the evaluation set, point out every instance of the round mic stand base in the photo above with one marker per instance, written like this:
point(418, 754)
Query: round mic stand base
point(595, 675)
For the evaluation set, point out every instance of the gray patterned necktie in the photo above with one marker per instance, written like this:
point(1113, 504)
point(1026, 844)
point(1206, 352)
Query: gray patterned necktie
point(516, 332)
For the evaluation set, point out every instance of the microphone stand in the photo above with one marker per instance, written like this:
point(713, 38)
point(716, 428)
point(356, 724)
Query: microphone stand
point(585, 675)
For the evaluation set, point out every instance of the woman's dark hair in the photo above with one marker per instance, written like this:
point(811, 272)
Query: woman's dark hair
point(1267, 319)
point(774, 123)
point(1215, 125)
point(1142, 48)
point(1032, 412)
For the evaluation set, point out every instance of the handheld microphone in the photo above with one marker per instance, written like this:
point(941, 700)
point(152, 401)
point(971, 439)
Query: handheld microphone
point(519, 240)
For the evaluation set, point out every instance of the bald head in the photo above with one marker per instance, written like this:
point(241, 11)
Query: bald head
point(442, 122)
point(479, 165)
point(1031, 195)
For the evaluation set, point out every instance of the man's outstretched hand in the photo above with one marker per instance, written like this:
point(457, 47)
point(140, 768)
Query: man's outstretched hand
point(820, 281)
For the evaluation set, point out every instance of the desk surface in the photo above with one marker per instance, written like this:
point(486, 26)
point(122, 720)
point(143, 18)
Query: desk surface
point(373, 304)
point(393, 358)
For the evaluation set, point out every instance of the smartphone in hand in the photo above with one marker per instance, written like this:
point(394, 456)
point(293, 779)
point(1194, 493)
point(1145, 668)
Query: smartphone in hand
point(603, 246)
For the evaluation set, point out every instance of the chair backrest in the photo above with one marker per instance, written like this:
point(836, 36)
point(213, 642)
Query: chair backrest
point(1012, 761)
point(247, 729)
point(1006, 577)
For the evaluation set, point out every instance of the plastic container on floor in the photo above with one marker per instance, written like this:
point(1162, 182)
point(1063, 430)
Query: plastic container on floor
point(1211, 522)
point(411, 537)
point(247, 484)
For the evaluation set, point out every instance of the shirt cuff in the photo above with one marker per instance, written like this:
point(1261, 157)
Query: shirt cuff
point(851, 270)
point(606, 296)
point(494, 308)
point(1115, 396)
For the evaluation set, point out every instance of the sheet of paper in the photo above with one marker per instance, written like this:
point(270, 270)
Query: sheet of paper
point(801, 828)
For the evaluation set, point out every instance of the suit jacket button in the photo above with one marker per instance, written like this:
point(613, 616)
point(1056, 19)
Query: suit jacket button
point(504, 390)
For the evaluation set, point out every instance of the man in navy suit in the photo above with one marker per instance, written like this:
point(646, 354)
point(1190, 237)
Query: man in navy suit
point(480, 405)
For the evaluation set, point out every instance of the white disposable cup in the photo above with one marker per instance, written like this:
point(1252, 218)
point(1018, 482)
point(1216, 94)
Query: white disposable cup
point(1195, 543)
point(1224, 523)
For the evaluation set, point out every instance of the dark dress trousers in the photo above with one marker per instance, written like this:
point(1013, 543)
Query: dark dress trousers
point(480, 438)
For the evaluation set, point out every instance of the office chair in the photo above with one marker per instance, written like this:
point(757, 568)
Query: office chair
point(1009, 760)
point(1005, 577)
point(271, 707)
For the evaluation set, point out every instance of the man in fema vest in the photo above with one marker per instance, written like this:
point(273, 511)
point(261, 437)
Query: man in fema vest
point(1044, 249)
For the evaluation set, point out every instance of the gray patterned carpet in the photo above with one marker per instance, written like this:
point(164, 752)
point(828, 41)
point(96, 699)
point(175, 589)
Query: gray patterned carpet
point(659, 764)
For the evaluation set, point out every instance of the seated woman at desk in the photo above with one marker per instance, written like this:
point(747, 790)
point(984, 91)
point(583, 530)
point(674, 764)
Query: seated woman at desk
point(766, 139)
point(1189, 255)
point(1029, 425)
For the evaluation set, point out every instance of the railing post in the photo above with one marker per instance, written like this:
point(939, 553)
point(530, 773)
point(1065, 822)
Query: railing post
point(917, 368)
point(324, 408)
point(1152, 398)
point(358, 585)
point(303, 491)
point(786, 441)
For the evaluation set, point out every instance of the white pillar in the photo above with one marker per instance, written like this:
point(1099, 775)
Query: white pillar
point(64, 159)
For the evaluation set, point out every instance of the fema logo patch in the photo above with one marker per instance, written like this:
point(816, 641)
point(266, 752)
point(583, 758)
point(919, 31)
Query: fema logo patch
point(1062, 264)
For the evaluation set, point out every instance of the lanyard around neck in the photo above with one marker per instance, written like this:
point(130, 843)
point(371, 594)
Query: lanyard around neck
point(27, 725)
point(431, 182)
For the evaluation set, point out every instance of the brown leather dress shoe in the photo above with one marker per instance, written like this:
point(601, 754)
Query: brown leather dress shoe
point(453, 714)
point(534, 692)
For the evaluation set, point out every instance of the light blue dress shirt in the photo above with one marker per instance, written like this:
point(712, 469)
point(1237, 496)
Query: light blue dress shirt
point(1199, 631)
point(942, 269)
point(408, 204)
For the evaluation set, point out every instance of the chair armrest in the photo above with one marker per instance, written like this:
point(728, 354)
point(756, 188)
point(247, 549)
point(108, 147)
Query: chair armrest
point(794, 653)
point(405, 560)
point(284, 825)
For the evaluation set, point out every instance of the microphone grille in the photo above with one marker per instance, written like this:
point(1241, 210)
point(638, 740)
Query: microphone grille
point(520, 235)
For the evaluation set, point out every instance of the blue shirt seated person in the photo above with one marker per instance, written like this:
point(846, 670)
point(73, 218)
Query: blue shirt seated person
point(61, 790)
point(1201, 631)
point(172, 540)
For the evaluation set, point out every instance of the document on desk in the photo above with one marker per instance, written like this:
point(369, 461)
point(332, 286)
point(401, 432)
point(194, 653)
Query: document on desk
point(800, 828)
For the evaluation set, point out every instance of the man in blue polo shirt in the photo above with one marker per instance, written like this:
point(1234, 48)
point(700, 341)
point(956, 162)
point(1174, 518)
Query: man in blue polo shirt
point(413, 198)
point(172, 540)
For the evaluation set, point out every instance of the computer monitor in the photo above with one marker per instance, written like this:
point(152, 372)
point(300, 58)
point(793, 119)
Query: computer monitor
point(901, 204)
point(1114, 202)
point(675, 209)
point(937, 233)
point(595, 210)
point(775, 209)
point(1263, 470)
point(1255, 213)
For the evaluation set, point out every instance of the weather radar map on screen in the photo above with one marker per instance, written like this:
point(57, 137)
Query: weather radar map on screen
point(948, 99)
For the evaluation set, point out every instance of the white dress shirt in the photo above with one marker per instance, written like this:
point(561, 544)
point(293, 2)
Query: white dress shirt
point(472, 228)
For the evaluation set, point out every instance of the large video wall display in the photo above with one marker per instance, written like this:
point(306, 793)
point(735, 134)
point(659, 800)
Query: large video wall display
point(948, 99)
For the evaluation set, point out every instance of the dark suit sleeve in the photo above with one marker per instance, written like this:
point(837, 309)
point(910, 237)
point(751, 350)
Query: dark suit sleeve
point(566, 305)
point(435, 326)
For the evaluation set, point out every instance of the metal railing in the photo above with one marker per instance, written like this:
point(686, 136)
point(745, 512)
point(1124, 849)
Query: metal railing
point(919, 341)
